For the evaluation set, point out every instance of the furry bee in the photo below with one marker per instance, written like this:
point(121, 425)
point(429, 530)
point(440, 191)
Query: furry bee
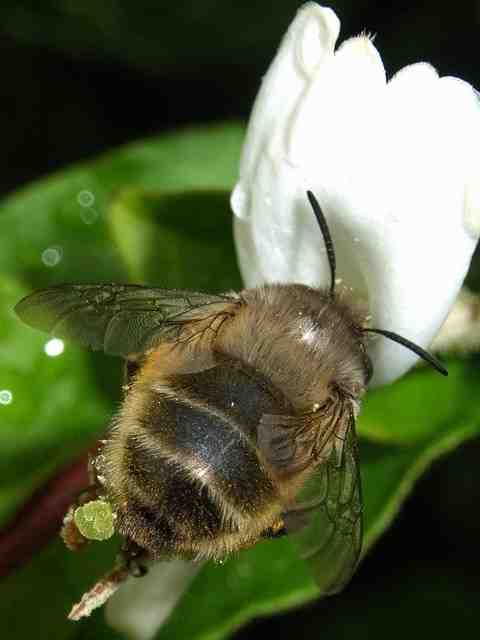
point(238, 421)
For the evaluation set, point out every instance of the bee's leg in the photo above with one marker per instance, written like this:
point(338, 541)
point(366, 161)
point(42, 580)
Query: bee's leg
point(131, 561)
point(101, 591)
point(69, 532)
point(277, 530)
point(134, 558)
point(129, 372)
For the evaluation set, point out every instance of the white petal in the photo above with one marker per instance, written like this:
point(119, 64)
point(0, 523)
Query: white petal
point(141, 605)
point(264, 252)
point(333, 117)
point(424, 250)
point(395, 169)
point(309, 41)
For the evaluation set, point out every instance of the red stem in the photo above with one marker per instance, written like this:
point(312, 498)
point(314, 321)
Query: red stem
point(41, 517)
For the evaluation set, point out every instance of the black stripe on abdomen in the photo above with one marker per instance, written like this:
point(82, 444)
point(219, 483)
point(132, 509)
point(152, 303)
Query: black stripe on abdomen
point(166, 509)
point(234, 390)
point(211, 442)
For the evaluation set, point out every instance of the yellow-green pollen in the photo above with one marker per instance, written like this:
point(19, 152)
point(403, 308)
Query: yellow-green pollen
point(95, 520)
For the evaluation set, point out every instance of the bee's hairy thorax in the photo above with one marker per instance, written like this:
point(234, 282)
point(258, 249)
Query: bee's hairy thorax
point(304, 342)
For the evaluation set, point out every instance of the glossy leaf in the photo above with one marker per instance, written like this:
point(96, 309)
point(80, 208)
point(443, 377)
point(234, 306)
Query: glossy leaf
point(54, 407)
point(59, 230)
point(422, 404)
point(36, 599)
point(174, 238)
point(55, 230)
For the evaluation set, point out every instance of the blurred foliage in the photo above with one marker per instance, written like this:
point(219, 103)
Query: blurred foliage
point(179, 237)
point(158, 212)
point(170, 36)
point(429, 409)
point(173, 37)
point(55, 408)
point(419, 602)
point(58, 231)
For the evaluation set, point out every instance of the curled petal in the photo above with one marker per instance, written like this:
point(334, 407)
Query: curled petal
point(394, 166)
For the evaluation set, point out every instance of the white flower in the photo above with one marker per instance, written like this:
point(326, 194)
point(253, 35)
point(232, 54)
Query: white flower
point(141, 606)
point(395, 167)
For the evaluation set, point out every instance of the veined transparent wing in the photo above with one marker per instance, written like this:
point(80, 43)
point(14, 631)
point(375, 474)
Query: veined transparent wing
point(326, 522)
point(119, 319)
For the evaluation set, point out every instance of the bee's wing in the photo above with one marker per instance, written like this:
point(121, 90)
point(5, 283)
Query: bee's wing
point(120, 319)
point(326, 521)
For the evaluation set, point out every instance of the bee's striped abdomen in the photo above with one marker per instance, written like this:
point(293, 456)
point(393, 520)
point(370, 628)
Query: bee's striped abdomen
point(166, 509)
point(218, 449)
point(194, 471)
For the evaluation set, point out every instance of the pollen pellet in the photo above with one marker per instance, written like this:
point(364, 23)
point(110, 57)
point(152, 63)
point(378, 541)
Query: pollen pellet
point(95, 520)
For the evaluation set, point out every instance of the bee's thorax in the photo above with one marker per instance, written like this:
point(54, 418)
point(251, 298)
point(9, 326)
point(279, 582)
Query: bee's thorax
point(301, 340)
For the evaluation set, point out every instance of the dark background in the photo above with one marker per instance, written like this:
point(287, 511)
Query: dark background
point(81, 77)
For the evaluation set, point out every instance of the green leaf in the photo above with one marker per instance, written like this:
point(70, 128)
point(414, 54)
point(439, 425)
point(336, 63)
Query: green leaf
point(177, 239)
point(422, 404)
point(65, 215)
point(36, 599)
point(54, 406)
point(59, 230)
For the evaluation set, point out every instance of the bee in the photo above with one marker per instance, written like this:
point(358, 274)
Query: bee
point(238, 420)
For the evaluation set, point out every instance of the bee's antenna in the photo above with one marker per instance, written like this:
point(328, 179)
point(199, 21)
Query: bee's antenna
point(413, 347)
point(327, 238)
